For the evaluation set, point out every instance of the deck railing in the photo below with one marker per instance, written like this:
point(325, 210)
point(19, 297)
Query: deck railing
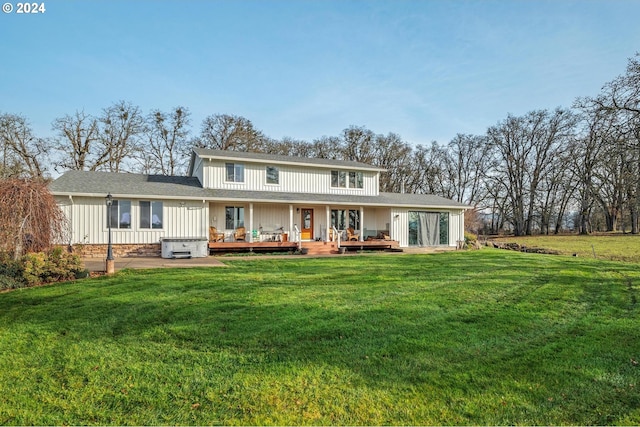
point(297, 236)
point(337, 235)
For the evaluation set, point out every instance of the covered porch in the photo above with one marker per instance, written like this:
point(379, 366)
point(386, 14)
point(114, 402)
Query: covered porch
point(271, 223)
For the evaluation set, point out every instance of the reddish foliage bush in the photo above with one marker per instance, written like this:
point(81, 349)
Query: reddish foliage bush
point(30, 219)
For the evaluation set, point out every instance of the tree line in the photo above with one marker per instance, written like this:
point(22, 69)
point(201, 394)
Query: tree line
point(546, 171)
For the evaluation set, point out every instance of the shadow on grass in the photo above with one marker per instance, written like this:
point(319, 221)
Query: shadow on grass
point(496, 338)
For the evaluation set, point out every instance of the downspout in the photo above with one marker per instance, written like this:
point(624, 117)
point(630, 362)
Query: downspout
point(71, 221)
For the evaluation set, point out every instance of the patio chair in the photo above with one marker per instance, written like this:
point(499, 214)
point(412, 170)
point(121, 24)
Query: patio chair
point(351, 236)
point(215, 235)
point(240, 234)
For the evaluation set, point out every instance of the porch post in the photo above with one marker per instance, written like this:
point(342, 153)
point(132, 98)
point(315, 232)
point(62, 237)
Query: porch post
point(291, 223)
point(361, 223)
point(326, 232)
point(251, 222)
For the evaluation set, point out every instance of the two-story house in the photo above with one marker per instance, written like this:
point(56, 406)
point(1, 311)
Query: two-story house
point(272, 197)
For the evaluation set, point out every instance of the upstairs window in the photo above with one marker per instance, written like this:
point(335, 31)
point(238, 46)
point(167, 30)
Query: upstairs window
point(339, 179)
point(356, 179)
point(150, 214)
point(235, 172)
point(120, 214)
point(273, 175)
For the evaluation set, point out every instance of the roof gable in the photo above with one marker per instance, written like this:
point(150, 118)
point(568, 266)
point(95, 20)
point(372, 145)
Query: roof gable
point(278, 159)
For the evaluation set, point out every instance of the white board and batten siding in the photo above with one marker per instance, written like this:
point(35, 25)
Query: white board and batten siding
point(399, 223)
point(88, 221)
point(292, 179)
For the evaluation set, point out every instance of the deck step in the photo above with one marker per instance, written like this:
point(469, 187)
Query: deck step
point(320, 248)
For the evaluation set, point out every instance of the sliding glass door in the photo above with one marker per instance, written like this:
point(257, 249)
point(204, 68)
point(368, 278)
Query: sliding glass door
point(428, 228)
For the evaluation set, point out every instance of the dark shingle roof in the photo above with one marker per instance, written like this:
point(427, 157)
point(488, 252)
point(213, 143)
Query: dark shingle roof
point(98, 184)
point(127, 184)
point(226, 154)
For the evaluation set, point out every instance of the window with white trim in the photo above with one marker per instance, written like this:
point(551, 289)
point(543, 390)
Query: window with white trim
point(344, 179)
point(343, 218)
point(339, 179)
point(234, 217)
point(120, 214)
point(273, 175)
point(356, 179)
point(150, 214)
point(235, 172)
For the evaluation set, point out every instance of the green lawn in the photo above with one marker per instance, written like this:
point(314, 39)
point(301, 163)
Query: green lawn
point(614, 246)
point(482, 337)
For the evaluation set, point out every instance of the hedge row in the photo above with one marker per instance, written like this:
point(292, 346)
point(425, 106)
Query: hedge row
point(36, 268)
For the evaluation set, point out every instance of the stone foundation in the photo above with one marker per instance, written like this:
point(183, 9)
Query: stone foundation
point(120, 250)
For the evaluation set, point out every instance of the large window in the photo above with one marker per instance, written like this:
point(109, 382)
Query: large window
point(338, 179)
point(235, 172)
point(150, 214)
point(356, 179)
point(342, 218)
point(428, 228)
point(120, 214)
point(354, 219)
point(234, 217)
point(338, 219)
point(273, 175)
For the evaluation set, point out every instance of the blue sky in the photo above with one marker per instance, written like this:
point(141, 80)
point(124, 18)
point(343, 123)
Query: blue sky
point(426, 70)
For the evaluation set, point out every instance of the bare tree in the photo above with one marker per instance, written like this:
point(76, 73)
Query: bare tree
point(472, 157)
point(358, 144)
point(526, 146)
point(166, 140)
point(287, 147)
point(586, 157)
point(326, 147)
point(429, 171)
point(229, 132)
point(394, 155)
point(120, 126)
point(76, 142)
point(23, 152)
point(623, 92)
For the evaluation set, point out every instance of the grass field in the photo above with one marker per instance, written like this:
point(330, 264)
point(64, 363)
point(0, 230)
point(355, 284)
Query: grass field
point(484, 337)
point(617, 247)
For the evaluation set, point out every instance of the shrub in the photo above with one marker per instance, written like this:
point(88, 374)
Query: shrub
point(11, 272)
point(51, 266)
point(34, 268)
point(470, 238)
point(7, 282)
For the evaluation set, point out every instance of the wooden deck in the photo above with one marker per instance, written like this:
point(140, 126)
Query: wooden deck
point(252, 246)
point(313, 247)
point(370, 244)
